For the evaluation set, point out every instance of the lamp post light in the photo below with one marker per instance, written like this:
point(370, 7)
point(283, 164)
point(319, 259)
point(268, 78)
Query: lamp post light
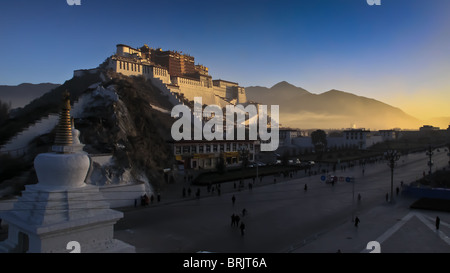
point(430, 154)
point(392, 156)
point(257, 164)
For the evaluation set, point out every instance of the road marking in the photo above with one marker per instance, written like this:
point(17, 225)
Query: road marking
point(441, 234)
point(388, 233)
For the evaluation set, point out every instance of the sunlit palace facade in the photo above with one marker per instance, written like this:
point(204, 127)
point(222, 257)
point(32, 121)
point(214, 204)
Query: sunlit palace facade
point(176, 73)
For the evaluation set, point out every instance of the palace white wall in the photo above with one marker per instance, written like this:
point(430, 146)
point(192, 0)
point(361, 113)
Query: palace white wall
point(217, 92)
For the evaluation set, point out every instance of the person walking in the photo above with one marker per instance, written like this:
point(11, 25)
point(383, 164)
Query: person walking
point(237, 219)
point(242, 228)
point(438, 221)
point(397, 190)
point(306, 187)
point(356, 221)
point(233, 199)
point(387, 197)
point(233, 219)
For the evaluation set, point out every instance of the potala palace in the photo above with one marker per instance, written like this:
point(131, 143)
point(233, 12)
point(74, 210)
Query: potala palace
point(175, 73)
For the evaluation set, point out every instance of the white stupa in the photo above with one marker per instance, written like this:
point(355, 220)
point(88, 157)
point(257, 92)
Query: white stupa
point(61, 213)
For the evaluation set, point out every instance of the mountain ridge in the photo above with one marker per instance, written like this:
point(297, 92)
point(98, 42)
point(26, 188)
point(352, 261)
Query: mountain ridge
point(330, 109)
point(22, 94)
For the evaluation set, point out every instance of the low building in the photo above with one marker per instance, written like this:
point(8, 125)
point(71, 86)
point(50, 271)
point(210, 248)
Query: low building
point(428, 128)
point(200, 154)
point(287, 136)
point(388, 135)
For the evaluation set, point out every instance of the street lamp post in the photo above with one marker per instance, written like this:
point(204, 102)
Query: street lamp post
point(392, 156)
point(256, 157)
point(430, 154)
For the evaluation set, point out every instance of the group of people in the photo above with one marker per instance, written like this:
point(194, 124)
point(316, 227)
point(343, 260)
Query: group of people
point(188, 192)
point(145, 200)
point(211, 188)
point(235, 220)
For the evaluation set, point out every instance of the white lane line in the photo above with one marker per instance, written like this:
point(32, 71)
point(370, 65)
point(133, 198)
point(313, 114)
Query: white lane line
point(441, 234)
point(434, 219)
point(403, 221)
point(392, 230)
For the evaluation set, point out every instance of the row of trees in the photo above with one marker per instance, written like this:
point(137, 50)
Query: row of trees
point(319, 140)
point(4, 110)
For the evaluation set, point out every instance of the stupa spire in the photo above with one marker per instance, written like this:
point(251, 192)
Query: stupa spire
point(63, 137)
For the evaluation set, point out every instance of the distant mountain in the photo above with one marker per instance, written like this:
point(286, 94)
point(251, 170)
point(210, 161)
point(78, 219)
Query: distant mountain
point(333, 109)
point(276, 94)
point(21, 95)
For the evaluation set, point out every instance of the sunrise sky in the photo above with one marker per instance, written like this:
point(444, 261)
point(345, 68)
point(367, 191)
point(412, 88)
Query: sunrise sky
point(398, 52)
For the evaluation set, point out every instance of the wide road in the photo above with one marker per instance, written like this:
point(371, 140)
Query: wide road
point(281, 217)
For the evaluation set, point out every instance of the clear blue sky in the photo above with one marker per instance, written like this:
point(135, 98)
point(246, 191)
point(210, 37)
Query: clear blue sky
point(396, 52)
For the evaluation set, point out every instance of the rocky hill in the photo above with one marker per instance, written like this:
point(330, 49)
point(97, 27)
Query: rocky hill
point(116, 115)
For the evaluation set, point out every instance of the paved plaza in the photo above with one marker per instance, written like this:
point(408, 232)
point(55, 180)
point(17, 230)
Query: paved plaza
point(283, 217)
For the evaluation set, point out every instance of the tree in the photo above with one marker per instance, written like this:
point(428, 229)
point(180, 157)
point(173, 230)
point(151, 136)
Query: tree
point(319, 140)
point(285, 158)
point(4, 110)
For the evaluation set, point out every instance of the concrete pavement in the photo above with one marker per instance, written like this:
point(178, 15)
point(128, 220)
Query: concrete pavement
point(396, 227)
